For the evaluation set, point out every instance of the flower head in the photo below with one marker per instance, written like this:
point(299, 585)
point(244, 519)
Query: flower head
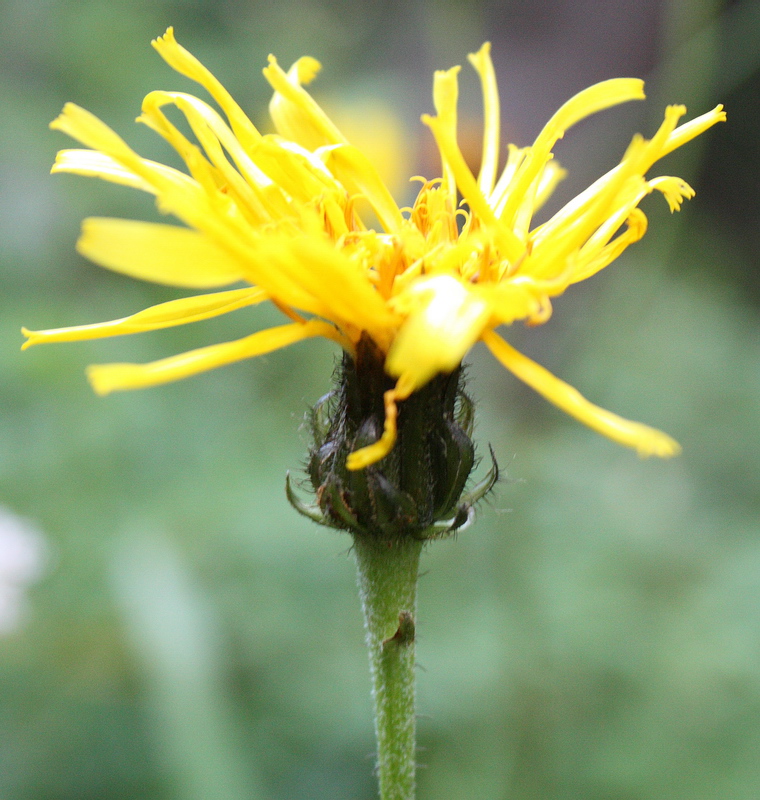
point(278, 213)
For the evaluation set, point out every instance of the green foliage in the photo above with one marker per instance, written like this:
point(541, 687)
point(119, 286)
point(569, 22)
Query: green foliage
point(594, 634)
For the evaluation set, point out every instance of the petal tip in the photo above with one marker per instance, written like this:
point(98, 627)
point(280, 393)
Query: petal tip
point(97, 377)
point(660, 445)
point(166, 38)
point(55, 124)
point(29, 338)
point(485, 49)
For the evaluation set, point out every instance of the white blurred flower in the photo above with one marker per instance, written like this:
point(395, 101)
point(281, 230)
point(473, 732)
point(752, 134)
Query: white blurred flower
point(23, 554)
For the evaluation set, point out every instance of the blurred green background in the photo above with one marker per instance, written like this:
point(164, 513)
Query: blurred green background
point(186, 636)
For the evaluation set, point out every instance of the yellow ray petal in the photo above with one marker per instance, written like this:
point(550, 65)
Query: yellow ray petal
point(444, 95)
point(99, 165)
point(515, 299)
point(357, 173)
point(209, 177)
point(444, 320)
point(587, 102)
point(643, 153)
point(244, 185)
point(445, 100)
point(269, 262)
point(645, 440)
point(90, 131)
point(294, 169)
point(176, 192)
point(500, 194)
point(553, 173)
point(483, 65)
point(599, 251)
point(339, 285)
point(164, 315)
point(596, 212)
point(107, 378)
point(294, 111)
point(594, 221)
point(566, 218)
point(187, 64)
point(598, 97)
point(689, 130)
point(163, 254)
point(674, 190)
point(210, 129)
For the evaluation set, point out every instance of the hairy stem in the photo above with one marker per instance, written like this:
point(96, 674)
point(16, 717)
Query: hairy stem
point(388, 588)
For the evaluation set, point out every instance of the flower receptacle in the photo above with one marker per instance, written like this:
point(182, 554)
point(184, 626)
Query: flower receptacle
point(418, 488)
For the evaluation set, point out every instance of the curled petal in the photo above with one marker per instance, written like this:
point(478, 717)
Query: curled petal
point(598, 97)
point(371, 454)
point(208, 126)
point(595, 256)
point(674, 190)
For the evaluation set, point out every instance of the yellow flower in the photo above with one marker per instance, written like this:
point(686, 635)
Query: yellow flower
point(278, 214)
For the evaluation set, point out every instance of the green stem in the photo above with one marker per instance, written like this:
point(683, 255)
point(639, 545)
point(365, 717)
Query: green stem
point(388, 588)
